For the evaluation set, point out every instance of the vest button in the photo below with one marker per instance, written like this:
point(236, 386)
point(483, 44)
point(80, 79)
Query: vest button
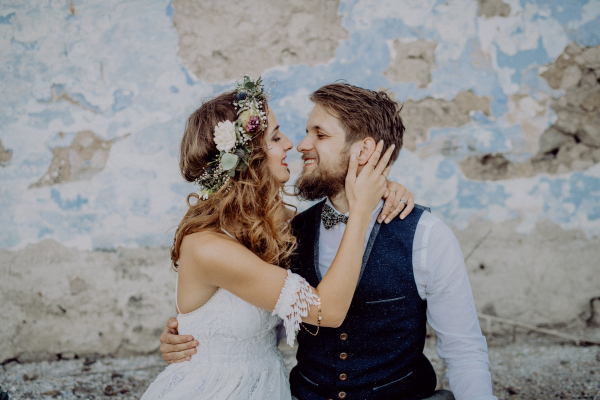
point(343, 377)
point(343, 337)
point(343, 356)
point(342, 395)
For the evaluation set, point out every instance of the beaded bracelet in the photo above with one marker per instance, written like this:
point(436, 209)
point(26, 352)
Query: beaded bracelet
point(319, 318)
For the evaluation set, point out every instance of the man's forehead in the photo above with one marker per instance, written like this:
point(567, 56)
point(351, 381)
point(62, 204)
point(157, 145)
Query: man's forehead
point(320, 118)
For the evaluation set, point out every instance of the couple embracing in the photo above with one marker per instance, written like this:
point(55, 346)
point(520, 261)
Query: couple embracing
point(353, 282)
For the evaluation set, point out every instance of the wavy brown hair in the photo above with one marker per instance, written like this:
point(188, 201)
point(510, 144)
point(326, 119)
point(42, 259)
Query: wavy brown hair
point(250, 206)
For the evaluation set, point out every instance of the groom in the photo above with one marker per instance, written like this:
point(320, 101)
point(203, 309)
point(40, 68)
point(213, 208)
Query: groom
point(413, 271)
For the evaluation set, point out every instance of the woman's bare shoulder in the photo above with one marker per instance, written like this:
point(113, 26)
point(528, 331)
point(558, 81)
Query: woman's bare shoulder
point(206, 245)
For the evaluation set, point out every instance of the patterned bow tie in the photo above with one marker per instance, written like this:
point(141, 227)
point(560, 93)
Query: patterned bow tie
point(331, 218)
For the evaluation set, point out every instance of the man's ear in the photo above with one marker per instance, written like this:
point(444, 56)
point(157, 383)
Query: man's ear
point(365, 150)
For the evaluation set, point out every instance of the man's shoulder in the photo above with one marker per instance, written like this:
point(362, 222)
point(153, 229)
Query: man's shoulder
point(435, 231)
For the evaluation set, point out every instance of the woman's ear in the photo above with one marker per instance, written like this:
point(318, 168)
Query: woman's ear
point(365, 151)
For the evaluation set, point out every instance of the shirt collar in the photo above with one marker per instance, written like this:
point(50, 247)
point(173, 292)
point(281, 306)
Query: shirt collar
point(377, 209)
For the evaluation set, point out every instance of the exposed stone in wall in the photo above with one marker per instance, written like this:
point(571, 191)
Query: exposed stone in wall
point(98, 302)
point(421, 116)
point(528, 277)
point(5, 156)
point(493, 8)
point(219, 40)
point(573, 141)
point(84, 157)
point(411, 62)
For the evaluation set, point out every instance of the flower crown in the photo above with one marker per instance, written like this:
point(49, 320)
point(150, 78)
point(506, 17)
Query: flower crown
point(233, 138)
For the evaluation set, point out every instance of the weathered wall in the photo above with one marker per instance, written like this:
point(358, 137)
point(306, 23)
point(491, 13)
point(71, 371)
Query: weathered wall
point(501, 102)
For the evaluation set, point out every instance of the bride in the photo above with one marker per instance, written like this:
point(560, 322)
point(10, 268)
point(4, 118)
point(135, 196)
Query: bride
point(232, 251)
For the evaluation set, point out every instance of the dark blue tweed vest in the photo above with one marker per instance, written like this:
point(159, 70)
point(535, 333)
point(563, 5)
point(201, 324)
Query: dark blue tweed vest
point(377, 353)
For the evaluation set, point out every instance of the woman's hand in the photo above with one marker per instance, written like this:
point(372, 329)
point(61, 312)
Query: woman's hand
point(397, 199)
point(364, 191)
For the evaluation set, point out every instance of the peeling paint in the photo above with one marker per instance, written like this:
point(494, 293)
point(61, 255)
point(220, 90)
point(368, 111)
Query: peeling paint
point(572, 143)
point(422, 115)
point(59, 93)
point(274, 33)
point(493, 8)
point(5, 156)
point(411, 62)
point(86, 156)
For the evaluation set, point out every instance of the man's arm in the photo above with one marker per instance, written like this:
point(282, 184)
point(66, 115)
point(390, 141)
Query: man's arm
point(451, 312)
point(176, 348)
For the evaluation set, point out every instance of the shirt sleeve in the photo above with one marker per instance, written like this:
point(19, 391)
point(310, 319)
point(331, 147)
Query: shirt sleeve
point(451, 313)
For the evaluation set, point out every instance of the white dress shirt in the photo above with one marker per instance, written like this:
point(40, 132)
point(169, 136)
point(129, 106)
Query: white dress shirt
point(441, 279)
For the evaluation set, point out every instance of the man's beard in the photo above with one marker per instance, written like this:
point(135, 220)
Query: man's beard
point(323, 182)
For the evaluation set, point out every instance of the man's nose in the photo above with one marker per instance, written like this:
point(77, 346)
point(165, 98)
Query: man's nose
point(304, 145)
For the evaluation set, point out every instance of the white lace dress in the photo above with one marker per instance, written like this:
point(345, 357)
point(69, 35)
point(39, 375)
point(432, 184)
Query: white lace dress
point(237, 356)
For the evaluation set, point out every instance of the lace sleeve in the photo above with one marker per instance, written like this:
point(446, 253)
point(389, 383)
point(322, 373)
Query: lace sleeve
point(294, 301)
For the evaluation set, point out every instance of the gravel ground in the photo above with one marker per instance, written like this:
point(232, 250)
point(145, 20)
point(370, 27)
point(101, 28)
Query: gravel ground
point(531, 367)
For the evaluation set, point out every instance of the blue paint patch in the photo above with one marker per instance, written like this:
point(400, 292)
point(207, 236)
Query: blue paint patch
point(170, 10)
point(188, 78)
point(22, 47)
point(45, 231)
point(582, 187)
point(182, 189)
point(562, 11)
point(140, 207)
point(445, 169)
point(42, 119)
point(174, 89)
point(588, 35)
point(123, 99)
point(8, 19)
point(523, 60)
point(68, 205)
point(480, 195)
point(159, 137)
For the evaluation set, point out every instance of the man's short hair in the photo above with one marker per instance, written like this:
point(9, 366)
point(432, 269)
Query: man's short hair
point(363, 113)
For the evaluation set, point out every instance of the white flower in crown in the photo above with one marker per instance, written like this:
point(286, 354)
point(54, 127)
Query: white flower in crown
point(225, 136)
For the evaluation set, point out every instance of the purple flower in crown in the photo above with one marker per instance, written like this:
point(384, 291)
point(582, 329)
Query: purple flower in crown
point(253, 125)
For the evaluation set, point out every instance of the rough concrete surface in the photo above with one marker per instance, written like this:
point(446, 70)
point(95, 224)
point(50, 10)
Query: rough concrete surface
point(219, 40)
point(528, 277)
point(56, 300)
point(411, 62)
point(86, 156)
point(573, 142)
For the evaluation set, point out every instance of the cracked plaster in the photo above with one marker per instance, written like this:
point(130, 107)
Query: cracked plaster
point(86, 156)
point(218, 41)
point(572, 143)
